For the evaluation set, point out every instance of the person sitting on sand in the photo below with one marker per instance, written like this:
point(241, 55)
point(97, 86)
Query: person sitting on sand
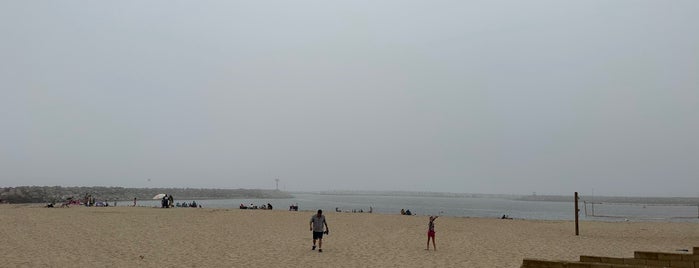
point(430, 232)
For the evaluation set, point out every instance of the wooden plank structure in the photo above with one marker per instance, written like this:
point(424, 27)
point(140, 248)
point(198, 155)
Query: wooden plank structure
point(641, 259)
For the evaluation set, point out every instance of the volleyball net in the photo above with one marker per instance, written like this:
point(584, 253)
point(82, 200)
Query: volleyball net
point(640, 211)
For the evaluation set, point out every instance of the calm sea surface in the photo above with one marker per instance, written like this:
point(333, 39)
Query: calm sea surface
point(459, 207)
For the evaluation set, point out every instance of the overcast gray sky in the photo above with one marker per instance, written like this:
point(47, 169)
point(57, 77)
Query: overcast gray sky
point(510, 96)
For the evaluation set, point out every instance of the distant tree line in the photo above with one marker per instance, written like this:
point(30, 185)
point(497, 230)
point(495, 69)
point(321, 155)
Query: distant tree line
point(46, 194)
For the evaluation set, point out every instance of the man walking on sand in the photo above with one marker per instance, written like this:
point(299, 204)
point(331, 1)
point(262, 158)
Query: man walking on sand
point(317, 223)
point(430, 232)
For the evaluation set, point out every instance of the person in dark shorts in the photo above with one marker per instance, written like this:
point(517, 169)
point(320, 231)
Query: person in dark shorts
point(430, 232)
point(317, 223)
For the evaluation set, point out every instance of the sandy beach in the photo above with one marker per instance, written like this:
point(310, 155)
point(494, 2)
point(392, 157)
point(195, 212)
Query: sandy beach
point(33, 236)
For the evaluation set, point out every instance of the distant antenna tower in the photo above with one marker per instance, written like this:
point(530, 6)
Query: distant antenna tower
point(277, 180)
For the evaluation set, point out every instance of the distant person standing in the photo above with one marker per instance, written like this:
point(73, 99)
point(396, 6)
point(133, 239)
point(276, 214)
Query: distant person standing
point(163, 202)
point(317, 223)
point(134, 201)
point(430, 232)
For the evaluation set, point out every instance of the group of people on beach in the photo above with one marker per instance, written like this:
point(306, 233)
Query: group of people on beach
point(192, 204)
point(371, 210)
point(294, 207)
point(88, 200)
point(319, 227)
point(251, 206)
point(167, 201)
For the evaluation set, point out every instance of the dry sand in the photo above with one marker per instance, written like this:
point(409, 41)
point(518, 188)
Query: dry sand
point(33, 236)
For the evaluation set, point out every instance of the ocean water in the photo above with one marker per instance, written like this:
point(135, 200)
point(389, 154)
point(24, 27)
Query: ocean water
point(460, 207)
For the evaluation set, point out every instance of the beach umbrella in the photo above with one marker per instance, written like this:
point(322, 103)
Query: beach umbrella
point(159, 196)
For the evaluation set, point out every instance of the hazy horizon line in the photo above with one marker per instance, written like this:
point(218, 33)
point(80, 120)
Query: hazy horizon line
point(378, 191)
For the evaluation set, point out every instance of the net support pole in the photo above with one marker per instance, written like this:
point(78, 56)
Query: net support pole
point(577, 215)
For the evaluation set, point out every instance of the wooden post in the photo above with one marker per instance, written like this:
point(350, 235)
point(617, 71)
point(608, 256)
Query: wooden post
point(577, 212)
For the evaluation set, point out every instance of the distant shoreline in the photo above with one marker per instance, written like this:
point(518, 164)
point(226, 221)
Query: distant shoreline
point(55, 194)
point(541, 198)
point(45, 194)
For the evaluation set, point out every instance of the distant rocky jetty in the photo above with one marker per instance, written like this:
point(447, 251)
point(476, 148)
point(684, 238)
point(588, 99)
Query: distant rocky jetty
point(45, 194)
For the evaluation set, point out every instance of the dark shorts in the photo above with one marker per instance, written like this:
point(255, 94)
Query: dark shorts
point(430, 234)
point(317, 235)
